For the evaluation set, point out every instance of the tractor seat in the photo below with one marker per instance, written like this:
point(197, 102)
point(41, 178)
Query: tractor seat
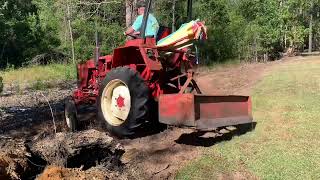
point(184, 36)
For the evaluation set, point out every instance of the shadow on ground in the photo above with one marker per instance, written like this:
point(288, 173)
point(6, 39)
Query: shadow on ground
point(27, 121)
point(207, 139)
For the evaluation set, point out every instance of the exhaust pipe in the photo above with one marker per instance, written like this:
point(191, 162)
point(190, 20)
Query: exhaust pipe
point(97, 50)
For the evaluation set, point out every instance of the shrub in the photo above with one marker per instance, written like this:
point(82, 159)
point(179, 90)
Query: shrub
point(39, 85)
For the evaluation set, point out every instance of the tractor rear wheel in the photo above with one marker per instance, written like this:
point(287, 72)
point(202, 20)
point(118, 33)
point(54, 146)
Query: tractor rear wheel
point(122, 102)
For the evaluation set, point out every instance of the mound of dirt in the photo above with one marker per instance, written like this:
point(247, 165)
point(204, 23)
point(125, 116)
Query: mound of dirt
point(60, 173)
point(98, 172)
point(13, 158)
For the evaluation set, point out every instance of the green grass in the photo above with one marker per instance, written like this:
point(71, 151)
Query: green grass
point(286, 141)
point(39, 74)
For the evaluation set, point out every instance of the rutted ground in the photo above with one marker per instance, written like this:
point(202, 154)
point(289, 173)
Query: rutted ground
point(156, 156)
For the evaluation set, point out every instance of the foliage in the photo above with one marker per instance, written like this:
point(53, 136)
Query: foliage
point(42, 85)
point(238, 29)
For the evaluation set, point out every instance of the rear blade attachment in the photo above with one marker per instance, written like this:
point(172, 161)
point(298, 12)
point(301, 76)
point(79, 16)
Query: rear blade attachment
point(204, 112)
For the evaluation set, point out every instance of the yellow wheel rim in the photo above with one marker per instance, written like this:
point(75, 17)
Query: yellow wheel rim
point(116, 102)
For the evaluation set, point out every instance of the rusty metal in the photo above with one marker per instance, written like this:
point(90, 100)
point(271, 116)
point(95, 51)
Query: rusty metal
point(189, 74)
point(204, 112)
point(184, 87)
point(180, 76)
point(195, 85)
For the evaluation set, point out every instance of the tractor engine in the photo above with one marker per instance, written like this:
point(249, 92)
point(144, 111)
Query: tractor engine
point(88, 77)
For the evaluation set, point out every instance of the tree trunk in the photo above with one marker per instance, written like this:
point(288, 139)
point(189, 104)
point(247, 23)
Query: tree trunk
point(310, 33)
point(255, 49)
point(266, 57)
point(71, 33)
point(285, 37)
point(131, 12)
point(173, 15)
point(66, 29)
point(128, 12)
point(3, 48)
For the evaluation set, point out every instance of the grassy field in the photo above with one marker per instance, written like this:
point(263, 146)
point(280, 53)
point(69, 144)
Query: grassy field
point(286, 141)
point(39, 74)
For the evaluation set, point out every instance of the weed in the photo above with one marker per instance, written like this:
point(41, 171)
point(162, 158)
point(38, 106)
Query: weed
point(39, 85)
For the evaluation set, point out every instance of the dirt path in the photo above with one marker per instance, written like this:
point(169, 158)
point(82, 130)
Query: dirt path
point(158, 156)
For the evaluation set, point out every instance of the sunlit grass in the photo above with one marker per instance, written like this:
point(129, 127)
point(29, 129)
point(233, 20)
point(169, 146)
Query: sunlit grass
point(32, 74)
point(285, 143)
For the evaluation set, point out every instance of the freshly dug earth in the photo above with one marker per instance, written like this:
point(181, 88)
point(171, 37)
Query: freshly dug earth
point(98, 172)
point(86, 154)
point(59, 173)
point(13, 158)
point(156, 156)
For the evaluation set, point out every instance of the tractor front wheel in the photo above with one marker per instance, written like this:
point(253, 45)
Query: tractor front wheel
point(70, 114)
point(122, 102)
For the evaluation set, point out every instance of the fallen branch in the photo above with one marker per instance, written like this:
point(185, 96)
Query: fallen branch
point(54, 123)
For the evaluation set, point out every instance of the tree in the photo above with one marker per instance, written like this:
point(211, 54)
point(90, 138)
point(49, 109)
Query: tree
point(22, 34)
point(238, 29)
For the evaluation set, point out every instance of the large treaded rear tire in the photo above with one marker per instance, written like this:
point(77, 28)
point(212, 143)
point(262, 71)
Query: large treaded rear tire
point(139, 95)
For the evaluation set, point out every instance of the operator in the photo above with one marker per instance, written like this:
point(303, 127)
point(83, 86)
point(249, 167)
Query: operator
point(152, 23)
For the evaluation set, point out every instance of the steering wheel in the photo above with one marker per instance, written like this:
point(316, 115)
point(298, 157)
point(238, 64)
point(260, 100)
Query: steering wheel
point(133, 36)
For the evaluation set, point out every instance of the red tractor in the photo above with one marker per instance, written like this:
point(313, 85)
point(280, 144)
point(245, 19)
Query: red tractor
point(126, 85)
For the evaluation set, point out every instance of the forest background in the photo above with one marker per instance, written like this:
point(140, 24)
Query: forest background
point(245, 30)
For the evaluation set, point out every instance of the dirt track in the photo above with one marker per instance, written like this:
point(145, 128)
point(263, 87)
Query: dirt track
point(156, 156)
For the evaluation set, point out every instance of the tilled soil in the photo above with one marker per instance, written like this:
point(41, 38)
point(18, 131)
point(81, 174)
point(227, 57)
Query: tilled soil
point(157, 156)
